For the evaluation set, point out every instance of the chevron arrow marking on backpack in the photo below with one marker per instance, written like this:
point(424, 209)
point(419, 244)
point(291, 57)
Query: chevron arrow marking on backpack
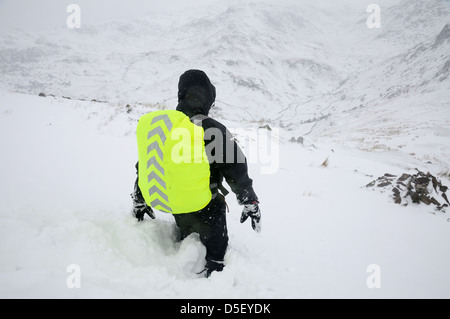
point(154, 176)
point(165, 118)
point(155, 190)
point(153, 161)
point(157, 131)
point(157, 202)
point(155, 146)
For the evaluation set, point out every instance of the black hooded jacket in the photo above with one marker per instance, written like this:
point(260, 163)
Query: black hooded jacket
point(196, 96)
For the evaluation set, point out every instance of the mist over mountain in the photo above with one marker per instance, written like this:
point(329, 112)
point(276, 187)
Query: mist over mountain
point(260, 54)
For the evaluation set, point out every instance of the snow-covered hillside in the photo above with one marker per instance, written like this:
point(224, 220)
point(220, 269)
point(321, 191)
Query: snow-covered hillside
point(345, 103)
point(273, 52)
point(66, 180)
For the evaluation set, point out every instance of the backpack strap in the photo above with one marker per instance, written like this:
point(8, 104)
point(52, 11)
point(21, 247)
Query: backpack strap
point(223, 190)
point(215, 187)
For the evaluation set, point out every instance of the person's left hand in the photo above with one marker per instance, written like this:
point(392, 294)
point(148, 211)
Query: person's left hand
point(252, 210)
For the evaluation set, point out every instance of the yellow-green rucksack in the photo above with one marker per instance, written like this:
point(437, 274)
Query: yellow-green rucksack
point(173, 168)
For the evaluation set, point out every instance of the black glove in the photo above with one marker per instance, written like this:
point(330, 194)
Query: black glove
point(140, 213)
point(140, 209)
point(252, 210)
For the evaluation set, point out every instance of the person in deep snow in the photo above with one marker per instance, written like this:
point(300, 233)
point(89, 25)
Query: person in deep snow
point(196, 96)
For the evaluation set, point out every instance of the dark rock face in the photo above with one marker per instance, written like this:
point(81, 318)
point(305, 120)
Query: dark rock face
point(417, 188)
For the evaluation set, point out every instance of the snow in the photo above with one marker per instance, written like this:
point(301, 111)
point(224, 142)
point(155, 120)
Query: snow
point(67, 165)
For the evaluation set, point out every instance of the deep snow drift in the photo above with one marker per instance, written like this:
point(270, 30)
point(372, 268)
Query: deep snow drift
point(360, 103)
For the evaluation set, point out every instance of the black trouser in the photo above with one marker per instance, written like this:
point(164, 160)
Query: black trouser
point(210, 223)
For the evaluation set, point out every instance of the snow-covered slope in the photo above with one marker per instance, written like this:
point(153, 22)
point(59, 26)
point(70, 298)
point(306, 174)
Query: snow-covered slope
point(66, 180)
point(369, 101)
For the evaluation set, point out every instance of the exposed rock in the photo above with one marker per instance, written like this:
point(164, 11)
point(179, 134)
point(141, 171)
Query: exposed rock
point(299, 140)
point(417, 188)
point(384, 184)
point(443, 36)
point(371, 184)
point(444, 196)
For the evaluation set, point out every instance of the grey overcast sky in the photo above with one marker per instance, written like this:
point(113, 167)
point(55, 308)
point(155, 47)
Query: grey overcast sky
point(45, 14)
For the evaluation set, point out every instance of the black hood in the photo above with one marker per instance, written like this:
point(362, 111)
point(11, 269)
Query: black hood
point(196, 94)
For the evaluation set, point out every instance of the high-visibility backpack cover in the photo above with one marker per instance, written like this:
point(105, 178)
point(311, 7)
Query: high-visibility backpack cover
point(174, 173)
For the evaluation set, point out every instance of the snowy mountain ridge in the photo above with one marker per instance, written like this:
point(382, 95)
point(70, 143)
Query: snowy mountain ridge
point(260, 55)
point(152, 54)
